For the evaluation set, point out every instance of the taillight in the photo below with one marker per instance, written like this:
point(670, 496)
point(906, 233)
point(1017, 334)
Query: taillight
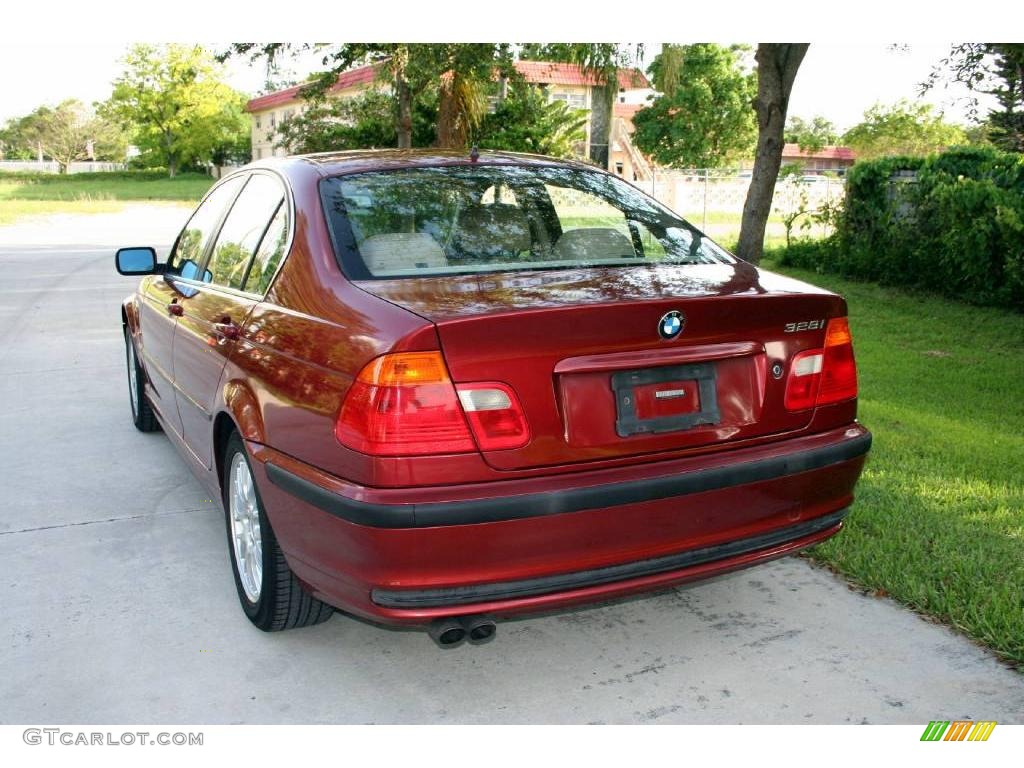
point(804, 378)
point(823, 376)
point(495, 415)
point(405, 404)
point(839, 374)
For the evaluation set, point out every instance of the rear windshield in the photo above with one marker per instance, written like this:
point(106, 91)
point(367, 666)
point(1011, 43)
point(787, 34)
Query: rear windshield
point(434, 221)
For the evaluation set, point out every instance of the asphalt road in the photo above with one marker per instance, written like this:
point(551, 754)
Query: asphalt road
point(118, 604)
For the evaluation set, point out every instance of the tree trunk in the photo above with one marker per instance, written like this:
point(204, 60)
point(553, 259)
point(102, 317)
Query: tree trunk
point(602, 97)
point(777, 65)
point(172, 155)
point(404, 95)
point(450, 130)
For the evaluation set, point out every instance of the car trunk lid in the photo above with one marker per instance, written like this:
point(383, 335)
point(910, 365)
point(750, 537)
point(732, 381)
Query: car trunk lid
point(582, 350)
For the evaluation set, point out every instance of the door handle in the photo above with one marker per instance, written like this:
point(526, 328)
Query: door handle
point(227, 328)
point(174, 308)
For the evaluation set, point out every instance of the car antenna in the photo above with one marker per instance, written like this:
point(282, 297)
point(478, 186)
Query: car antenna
point(474, 154)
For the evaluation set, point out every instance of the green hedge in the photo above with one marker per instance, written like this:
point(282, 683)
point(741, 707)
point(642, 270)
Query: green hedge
point(951, 223)
point(149, 174)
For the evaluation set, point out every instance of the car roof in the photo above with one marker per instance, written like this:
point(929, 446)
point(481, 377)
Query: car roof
point(363, 160)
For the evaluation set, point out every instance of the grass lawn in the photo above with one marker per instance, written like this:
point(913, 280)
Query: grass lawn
point(939, 518)
point(42, 194)
point(12, 210)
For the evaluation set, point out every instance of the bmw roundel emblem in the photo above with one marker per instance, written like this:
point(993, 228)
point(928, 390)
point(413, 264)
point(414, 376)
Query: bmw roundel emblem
point(671, 324)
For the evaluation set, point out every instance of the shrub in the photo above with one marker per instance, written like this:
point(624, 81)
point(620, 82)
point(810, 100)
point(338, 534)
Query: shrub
point(951, 223)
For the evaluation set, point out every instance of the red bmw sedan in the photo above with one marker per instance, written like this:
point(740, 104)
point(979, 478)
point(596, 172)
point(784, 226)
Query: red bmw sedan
point(434, 389)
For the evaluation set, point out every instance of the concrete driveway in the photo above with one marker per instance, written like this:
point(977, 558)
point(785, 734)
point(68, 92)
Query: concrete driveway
point(118, 603)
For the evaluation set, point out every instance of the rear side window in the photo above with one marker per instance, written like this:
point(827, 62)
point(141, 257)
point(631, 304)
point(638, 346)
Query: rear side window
point(469, 219)
point(270, 252)
point(243, 231)
point(195, 237)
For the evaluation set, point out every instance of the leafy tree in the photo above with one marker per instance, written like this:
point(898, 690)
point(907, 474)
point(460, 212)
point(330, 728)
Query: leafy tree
point(15, 143)
point(704, 119)
point(905, 128)
point(995, 69)
point(812, 135)
point(174, 102)
point(979, 135)
point(65, 133)
point(777, 65)
point(234, 143)
point(365, 121)
point(526, 121)
point(454, 75)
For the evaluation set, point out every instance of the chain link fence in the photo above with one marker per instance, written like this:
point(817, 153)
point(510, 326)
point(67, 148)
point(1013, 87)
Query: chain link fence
point(713, 200)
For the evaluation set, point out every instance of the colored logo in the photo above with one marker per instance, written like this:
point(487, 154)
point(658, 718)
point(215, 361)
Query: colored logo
point(671, 324)
point(958, 730)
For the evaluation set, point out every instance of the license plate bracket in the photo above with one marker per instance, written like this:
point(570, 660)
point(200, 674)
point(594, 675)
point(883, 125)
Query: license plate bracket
point(625, 383)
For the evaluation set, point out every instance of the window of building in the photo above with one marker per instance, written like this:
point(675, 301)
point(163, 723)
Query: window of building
point(574, 100)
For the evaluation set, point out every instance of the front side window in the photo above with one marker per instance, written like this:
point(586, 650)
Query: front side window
point(243, 230)
point(195, 237)
point(468, 219)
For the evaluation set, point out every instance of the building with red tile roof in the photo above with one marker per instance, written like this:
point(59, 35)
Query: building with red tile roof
point(830, 158)
point(570, 83)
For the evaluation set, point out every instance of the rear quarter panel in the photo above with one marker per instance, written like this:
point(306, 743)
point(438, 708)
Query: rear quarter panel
point(304, 343)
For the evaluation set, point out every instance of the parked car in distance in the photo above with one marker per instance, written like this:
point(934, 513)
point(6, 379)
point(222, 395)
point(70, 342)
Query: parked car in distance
point(438, 390)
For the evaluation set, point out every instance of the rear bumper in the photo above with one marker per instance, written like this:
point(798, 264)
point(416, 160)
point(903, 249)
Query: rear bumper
point(563, 582)
point(411, 555)
point(514, 507)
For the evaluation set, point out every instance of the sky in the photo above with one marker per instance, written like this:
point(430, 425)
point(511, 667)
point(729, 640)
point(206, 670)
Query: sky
point(838, 81)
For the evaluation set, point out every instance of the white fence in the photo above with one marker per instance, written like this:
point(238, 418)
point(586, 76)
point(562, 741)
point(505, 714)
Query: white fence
point(48, 166)
point(713, 199)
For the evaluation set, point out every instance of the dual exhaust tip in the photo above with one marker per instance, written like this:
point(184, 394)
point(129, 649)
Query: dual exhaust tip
point(449, 633)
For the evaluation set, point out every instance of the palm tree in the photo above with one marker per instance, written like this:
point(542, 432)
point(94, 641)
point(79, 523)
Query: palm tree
point(603, 62)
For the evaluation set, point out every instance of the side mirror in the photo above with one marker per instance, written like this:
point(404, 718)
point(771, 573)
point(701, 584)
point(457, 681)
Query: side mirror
point(136, 261)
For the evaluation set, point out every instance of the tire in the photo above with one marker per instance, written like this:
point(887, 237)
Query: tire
point(142, 412)
point(271, 595)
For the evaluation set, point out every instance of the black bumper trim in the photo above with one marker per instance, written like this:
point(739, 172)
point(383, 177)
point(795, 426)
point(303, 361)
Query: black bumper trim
point(511, 590)
point(495, 509)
